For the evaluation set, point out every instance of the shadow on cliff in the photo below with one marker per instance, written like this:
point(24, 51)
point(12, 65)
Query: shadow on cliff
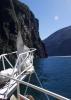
point(29, 27)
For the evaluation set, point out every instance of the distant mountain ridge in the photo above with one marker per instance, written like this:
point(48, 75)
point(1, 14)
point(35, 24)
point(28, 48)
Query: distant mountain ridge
point(59, 43)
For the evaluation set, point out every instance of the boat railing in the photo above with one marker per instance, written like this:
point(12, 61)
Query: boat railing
point(18, 70)
point(18, 81)
point(52, 94)
point(20, 58)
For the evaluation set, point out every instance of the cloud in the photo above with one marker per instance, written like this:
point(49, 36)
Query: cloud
point(56, 18)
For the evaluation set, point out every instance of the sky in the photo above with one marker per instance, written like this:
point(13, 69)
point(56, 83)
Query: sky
point(52, 14)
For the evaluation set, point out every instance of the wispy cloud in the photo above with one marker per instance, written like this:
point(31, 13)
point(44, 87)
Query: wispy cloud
point(56, 18)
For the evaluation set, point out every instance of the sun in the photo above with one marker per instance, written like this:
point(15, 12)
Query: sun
point(56, 18)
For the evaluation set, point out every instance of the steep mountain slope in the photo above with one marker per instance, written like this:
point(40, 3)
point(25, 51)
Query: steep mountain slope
point(29, 27)
point(59, 43)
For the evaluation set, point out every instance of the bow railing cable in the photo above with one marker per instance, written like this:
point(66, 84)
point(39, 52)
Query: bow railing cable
point(57, 96)
point(14, 13)
point(25, 93)
point(41, 84)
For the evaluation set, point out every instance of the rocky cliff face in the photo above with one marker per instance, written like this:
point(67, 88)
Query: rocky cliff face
point(29, 27)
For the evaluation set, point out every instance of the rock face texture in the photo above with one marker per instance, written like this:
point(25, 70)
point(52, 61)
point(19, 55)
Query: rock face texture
point(59, 43)
point(29, 27)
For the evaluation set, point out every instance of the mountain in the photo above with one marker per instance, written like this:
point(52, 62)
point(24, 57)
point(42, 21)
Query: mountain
point(28, 24)
point(58, 44)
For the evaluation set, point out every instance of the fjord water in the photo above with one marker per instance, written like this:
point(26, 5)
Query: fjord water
point(54, 74)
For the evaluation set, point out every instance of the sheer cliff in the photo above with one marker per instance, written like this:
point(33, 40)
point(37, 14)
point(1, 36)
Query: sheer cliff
point(29, 27)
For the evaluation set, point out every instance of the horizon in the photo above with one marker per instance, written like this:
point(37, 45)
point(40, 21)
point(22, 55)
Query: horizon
point(52, 15)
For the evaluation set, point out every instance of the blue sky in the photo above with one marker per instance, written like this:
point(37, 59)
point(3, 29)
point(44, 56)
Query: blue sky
point(52, 14)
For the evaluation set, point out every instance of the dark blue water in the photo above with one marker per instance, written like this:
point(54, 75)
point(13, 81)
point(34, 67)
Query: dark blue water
point(54, 74)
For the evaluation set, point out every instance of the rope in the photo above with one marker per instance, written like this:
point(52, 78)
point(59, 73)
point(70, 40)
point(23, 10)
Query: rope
point(27, 86)
point(3, 62)
point(18, 90)
point(41, 84)
point(16, 19)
